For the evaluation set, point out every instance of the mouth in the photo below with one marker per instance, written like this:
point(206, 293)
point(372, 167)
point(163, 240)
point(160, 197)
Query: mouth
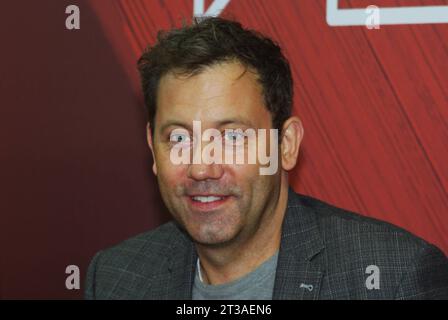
point(207, 202)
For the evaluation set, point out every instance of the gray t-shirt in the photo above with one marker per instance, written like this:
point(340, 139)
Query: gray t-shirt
point(256, 285)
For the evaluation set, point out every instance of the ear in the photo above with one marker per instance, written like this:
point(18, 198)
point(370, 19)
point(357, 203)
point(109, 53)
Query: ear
point(292, 135)
point(149, 139)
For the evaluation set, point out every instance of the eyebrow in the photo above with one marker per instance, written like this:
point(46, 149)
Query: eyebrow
point(218, 124)
point(174, 123)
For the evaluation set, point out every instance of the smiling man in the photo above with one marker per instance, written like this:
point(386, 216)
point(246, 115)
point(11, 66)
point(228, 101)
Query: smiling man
point(238, 233)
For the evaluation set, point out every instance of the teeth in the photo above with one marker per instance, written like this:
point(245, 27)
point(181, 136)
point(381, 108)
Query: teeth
point(206, 199)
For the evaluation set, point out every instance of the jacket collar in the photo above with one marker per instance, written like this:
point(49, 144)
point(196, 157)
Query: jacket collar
point(299, 267)
point(181, 265)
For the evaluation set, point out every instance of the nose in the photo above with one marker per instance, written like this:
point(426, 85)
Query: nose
point(204, 171)
point(203, 168)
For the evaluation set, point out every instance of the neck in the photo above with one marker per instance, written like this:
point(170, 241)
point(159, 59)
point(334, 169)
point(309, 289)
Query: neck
point(234, 260)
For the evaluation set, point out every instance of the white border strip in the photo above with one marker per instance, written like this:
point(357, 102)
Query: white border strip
point(402, 15)
point(214, 10)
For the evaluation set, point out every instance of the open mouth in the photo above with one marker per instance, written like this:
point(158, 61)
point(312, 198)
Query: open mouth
point(206, 199)
point(207, 202)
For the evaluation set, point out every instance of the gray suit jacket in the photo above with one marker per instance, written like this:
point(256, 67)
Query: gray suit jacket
point(325, 253)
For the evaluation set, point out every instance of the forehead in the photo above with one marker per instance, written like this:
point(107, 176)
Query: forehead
point(225, 90)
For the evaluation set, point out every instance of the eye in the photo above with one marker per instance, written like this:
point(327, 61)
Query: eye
point(235, 137)
point(179, 137)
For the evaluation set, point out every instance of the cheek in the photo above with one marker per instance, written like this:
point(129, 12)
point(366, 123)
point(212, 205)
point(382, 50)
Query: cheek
point(245, 174)
point(169, 173)
point(249, 178)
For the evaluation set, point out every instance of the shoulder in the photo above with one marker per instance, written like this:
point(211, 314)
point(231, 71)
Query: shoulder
point(337, 225)
point(120, 270)
point(409, 266)
point(147, 245)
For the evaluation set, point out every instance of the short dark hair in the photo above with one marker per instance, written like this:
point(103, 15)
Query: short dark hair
point(208, 41)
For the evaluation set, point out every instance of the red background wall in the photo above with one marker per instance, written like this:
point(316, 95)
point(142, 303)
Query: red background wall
point(75, 170)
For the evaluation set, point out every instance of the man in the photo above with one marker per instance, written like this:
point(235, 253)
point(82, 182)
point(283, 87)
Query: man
point(238, 233)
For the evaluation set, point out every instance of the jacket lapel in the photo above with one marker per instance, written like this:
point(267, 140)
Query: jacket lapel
point(300, 268)
point(176, 282)
point(182, 268)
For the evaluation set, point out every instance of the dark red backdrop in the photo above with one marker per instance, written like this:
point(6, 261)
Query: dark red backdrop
point(75, 170)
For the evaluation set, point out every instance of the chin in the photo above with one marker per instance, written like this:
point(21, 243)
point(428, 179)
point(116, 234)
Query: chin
point(212, 236)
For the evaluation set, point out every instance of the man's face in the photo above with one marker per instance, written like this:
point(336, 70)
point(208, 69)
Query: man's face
point(220, 97)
